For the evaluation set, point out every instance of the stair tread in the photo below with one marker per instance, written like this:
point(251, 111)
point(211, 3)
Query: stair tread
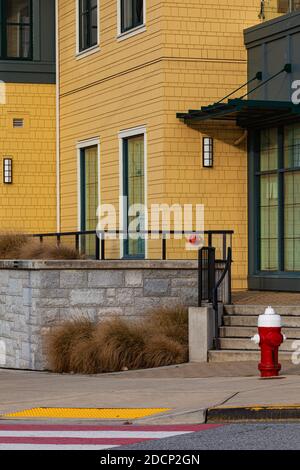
point(249, 331)
point(247, 344)
point(230, 355)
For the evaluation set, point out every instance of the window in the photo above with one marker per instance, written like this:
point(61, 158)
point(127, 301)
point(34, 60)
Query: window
point(134, 191)
point(88, 24)
point(132, 14)
point(288, 6)
point(7, 170)
point(207, 152)
point(89, 196)
point(16, 29)
point(279, 199)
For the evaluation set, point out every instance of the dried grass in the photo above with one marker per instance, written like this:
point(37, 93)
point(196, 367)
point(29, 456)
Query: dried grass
point(64, 340)
point(161, 351)
point(11, 244)
point(80, 346)
point(172, 322)
point(21, 246)
point(36, 250)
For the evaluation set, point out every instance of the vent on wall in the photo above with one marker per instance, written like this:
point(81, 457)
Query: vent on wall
point(18, 123)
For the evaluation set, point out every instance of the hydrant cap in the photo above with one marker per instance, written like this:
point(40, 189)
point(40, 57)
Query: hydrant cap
point(269, 319)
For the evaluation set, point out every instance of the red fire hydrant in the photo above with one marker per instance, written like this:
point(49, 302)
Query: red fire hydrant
point(269, 338)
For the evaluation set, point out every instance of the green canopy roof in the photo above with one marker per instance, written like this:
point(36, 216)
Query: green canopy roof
point(246, 113)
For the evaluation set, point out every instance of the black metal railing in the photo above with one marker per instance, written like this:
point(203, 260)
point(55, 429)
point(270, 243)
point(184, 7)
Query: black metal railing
point(226, 272)
point(99, 251)
point(214, 282)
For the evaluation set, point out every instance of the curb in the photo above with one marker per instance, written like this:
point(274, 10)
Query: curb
point(254, 413)
point(196, 416)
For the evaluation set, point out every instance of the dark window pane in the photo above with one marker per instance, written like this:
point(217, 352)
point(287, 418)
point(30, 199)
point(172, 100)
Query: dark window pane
point(88, 24)
point(132, 14)
point(16, 30)
point(18, 11)
point(18, 41)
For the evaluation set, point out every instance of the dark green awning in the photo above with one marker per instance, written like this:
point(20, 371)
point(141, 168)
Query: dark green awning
point(245, 113)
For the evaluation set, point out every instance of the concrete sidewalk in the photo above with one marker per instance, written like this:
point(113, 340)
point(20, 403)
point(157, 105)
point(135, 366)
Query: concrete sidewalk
point(182, 389)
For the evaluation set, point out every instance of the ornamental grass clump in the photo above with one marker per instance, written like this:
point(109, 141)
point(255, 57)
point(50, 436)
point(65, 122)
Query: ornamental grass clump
point(20, 246)
point(81, 346)
point(65, 339)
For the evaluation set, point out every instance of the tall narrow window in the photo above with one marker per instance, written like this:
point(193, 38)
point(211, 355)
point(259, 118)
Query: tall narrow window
point(134, 190)
point(88, 24)
point(132, 14)
point(16, 29)
point(278, 177)
point(89, 196)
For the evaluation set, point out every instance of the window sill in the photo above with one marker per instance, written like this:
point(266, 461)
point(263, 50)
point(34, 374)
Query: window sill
point(131, 32)
point(87, 52)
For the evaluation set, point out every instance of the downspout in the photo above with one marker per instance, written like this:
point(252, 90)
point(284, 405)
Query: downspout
point(57, 119)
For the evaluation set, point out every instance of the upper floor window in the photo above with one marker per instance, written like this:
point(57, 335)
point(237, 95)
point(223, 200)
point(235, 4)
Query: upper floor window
point(88, 24)
point(287, 6)
point(16, 29)
point(132, 14)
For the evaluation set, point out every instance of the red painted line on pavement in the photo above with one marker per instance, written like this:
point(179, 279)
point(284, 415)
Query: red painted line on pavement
point(62, 427)
point(71, 440)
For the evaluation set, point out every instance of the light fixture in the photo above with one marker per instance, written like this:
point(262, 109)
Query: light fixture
point(208, 152)
point(7, 170)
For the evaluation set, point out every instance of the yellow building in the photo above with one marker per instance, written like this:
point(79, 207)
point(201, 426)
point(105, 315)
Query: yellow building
point(125, 69)
point(27, 116)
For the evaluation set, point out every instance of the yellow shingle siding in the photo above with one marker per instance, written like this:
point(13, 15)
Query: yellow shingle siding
point(191, 54)
point(29, 204)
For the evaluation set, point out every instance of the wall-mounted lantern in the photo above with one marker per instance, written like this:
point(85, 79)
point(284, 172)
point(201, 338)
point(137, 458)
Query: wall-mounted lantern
point(208, 152)
point(7, 170)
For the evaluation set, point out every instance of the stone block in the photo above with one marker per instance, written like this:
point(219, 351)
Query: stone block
point(153, 287)
point(73, 279)
point(105, 278)
point(133, 278)
point(87, 297)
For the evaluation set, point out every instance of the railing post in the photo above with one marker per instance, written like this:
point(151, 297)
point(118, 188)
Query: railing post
point(77, 242)
point(58, 240)
point(164, 247)
point(102, 246)
point(211, 273)
point(97, 247)
point(200, 278)
point(229, 276)
point(224, 246)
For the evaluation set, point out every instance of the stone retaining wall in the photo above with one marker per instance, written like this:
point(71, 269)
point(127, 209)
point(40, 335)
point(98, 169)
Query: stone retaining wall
point(36, 295)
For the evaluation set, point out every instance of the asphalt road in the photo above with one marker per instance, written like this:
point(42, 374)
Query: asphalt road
point(262, 436)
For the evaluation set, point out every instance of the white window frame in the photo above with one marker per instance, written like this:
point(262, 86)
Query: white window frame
point(91, 50)
point(134, 31)
point(82, 144)
point(124, 134)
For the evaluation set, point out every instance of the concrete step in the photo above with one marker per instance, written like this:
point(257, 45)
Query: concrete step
point(251, 320)
point(240, 355)
point(286, 310)
point(248, 332)
point(246, 344)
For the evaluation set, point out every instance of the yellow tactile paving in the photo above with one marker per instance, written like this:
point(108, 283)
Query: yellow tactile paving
point(86, 413)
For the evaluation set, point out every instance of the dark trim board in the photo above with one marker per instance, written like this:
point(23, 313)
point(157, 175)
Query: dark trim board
point(275, 282)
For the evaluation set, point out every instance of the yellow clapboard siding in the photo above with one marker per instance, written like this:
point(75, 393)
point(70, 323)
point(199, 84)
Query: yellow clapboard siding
point(29, 204)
